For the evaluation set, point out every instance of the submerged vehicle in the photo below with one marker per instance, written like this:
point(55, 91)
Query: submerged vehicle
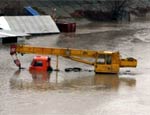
point(104, 61)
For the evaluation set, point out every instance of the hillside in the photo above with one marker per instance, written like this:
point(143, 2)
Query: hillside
point(92, 9)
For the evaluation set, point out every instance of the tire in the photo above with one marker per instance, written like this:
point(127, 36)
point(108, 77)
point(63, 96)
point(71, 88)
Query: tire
point(68, 69)
point(76, 69)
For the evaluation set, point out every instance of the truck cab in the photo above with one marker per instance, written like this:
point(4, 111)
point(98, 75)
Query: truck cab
point(41, 63)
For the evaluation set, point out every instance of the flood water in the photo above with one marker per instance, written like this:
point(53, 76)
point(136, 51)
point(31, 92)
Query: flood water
point(81, 93)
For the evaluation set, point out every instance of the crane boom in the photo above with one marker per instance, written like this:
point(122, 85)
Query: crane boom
point(104, 61)
point(66, 52)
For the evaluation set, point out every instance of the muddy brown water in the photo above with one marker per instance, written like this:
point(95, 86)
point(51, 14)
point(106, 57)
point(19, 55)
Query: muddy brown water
point(81, 93)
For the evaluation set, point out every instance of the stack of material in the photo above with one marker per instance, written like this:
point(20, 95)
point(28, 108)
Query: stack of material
point(10, 36)
point(29, 24)
point(16, 26)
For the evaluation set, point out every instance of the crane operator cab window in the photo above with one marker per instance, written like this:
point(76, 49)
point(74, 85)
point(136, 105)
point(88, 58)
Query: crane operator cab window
point(104, 59)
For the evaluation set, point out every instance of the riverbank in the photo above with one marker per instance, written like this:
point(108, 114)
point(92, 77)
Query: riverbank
point(83, 9)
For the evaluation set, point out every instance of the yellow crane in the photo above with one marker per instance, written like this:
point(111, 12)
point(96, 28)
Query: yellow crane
point(104, 61)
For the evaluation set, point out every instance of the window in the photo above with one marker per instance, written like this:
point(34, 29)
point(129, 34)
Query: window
point(104, 59)
point(38, 63)
point(108, 59)
point(101, 59)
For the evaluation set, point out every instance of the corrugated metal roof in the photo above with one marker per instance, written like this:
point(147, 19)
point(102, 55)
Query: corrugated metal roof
point(30, 24)
point(5, 34)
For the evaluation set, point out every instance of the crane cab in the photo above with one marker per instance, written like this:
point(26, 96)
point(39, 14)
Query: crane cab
point(110, 62)
point(41, 63)
point(107, 62)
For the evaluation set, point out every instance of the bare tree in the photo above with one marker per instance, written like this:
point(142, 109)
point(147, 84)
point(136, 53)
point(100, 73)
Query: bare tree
point(118, 7)
point(109, 9)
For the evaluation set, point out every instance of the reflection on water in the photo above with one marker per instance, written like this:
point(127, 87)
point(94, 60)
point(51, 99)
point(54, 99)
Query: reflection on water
point(113, 80)
point(40, 80)
point(46, 81)
point(109, 81)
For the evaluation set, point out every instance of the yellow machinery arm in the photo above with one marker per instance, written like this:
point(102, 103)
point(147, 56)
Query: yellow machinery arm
point(104, 61)
point(66, 52)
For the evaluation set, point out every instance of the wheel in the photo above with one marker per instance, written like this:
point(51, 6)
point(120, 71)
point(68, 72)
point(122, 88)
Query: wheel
point(68, 69)
point(76, 69)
